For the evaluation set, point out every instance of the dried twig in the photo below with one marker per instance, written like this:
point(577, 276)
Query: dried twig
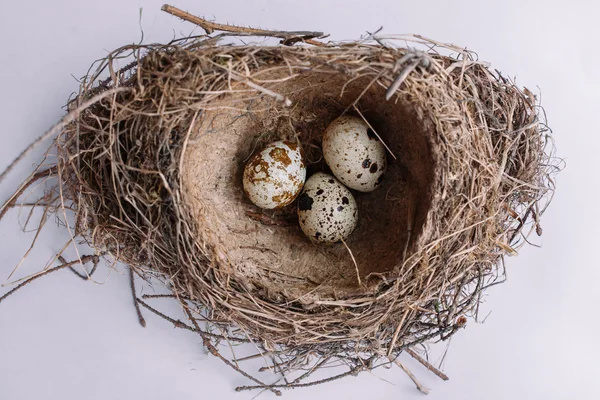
point(375, 132)
point(134, 296)
point(316, 367)
point(351, 372)
point(81, 276)
point(419, 386)
point(30, 181)
point(288, 37)
point(83, 259)
point(354, 261)
point(71, 116)
point(427, 365)
point(213, 350)
point(400, 78)
point(182, 325)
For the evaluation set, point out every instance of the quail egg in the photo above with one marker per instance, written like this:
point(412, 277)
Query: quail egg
point(327, 210)
point(274, 177)
point(354, 153)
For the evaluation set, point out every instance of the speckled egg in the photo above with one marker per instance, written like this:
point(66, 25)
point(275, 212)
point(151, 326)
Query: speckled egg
point(274, 177)
point(354, 153)
point(327, 210)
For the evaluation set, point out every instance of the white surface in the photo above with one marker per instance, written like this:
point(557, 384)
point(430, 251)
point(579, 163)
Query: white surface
point(65, 339)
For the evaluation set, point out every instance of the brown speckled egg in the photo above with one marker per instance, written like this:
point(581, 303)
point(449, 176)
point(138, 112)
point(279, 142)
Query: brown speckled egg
point(327, 210)
point(275, 176)
point(354, 153)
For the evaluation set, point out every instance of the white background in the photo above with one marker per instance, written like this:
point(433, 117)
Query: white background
point(61, 338)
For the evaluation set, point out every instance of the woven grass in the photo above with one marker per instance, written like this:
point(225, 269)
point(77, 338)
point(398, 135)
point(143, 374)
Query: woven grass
point(150, 159)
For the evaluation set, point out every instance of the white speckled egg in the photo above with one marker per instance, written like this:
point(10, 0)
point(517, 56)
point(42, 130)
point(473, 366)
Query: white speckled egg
point(327, 210)
point(354, 153)
point(275, 176)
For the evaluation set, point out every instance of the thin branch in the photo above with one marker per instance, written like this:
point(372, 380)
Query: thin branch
point(353, 371)
point(95, 263)
point(213, 350)
point(34, 178)
point(400, 78)
point(409, 223)
point(310, 371)
point(355, 264)
point(419, 386)
point(375, 132)
point(396, 333)
point(83, 260)
point(67, 119)
point(288, 37)
point(182, 325)
point(162, 296)
point(427, 365)
point(135, 302)
point(62, 260)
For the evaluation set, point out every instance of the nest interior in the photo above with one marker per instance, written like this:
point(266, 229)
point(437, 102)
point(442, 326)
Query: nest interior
point(267, 247)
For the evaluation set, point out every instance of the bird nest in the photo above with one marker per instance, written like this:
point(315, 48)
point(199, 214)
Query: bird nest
point(151, 158)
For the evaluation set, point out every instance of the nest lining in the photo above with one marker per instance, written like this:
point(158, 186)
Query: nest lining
point(268, 248)
point(154, 171)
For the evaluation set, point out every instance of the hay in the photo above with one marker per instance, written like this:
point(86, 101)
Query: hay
point(152, 163)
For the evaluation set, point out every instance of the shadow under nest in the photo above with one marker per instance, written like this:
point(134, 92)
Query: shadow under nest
point(153, 162)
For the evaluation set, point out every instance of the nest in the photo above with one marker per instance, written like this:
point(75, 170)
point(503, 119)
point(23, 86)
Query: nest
point(152, 162)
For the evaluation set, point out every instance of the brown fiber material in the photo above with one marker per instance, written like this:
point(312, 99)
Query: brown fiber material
point(153, 166)
point(275, 257)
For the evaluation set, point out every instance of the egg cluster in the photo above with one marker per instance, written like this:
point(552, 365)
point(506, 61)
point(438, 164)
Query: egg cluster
point(327, 211)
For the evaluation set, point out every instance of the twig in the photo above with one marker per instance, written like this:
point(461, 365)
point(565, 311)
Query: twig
point(257, 355)
point(176, 322)
point(135, 302)
point(522, 222)
point(400, 78)
point(279, 368)
point(13, 199)
point(67, 119)
point(163, 296)
point(264, 90)
point(288, 37)
point(275, 366)
point(396, 333)
point(213, 350)
point(62, 260)
point(355, 264)
point(105, 83)
point(84, 260)
point(353, 371)
point(95, 262)
point(38, 231)
point(420, 387)
point(409, 222)
point(310, 371)
point(182, 325)
point(405, 250)
point(426, 364)
point(374, 131)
